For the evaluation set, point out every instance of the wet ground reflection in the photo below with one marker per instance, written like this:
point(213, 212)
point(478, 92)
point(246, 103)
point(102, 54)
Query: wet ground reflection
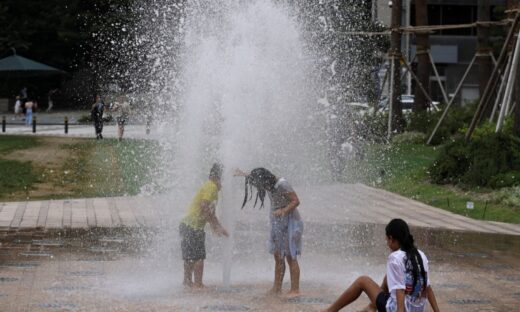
point(126, 272)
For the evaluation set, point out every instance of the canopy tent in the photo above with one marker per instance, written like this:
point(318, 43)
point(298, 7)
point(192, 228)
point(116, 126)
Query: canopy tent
point(17, 64)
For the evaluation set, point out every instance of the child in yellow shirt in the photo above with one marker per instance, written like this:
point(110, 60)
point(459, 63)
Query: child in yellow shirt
point(201, 211)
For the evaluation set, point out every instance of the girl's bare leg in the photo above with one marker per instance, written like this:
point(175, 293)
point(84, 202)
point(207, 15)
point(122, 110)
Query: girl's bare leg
point(198, 271)
point(294, 269)
point(362, 284)
point(279, 271)
point(188, 273)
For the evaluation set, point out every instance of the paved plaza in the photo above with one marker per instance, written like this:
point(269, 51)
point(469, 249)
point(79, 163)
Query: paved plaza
point(121, 254)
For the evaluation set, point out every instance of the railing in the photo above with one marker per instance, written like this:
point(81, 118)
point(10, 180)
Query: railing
point(34, 124)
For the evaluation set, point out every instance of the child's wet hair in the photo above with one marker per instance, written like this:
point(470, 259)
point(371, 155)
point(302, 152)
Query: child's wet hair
point(263, 180)
point(216, 171)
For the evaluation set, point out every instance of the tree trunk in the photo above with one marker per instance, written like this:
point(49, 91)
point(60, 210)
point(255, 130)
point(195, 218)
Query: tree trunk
point(423, 62)
point(511, 4)
point(395, 57)
point(483, 49)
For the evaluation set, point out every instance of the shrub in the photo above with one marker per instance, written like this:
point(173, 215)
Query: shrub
point(373, 127)
point(492, 160)
point(451, 164)
point(490, 155)
point(457, 118)
point(412, 137)
point(507, 179)
point(509, 196)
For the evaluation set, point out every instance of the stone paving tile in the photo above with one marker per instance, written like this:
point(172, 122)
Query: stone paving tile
point(353, 203)
point(42, 216)
point(55, 215)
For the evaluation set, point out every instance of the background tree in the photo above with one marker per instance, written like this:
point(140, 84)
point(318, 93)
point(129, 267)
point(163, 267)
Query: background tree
point(423, 62)
point(483, 48)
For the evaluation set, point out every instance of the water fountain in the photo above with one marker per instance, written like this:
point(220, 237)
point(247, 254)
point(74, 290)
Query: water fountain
point(244, 91)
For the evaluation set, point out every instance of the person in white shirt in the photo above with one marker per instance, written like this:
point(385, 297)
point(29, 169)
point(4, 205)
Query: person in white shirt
point(406, 285)
point(122, 108)
point(18, 107)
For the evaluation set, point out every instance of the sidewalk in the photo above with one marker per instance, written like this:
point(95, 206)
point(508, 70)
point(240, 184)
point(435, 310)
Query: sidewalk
point(52, 124)
point(327, 204)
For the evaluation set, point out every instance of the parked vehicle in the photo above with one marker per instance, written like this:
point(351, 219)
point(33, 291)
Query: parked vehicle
point(407, 101)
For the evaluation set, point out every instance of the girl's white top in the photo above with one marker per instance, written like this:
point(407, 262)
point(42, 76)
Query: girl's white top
point(398, 276)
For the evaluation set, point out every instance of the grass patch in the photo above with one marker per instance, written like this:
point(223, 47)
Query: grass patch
point(110, 168)
point(54, 168)
point(16, 176)
point(403, 169)
point(9, 143)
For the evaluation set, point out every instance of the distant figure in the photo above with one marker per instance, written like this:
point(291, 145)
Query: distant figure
point(24, 98)
point(97, 116)
point(18, 107)
point(285, 241)
point(29, 105)
point(201, 211)
point(23, 94)
point(50, 101)
point(122, 109)
point(406, 285)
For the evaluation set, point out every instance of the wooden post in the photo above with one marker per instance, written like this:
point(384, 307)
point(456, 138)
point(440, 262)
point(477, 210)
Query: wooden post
point(66, 123)
point(396, 111)
point(492, 81)
point(503, 83)
point(484, 63)
point(423, 64)
point(34, 124)
point(438, 78)
point(509, 88)
point(445, 112)
point(3, 123)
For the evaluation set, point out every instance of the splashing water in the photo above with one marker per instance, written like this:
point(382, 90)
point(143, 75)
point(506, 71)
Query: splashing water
point(248, 101)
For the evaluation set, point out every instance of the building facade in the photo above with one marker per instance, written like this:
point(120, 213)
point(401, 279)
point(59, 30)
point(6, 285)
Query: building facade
point(453, 49)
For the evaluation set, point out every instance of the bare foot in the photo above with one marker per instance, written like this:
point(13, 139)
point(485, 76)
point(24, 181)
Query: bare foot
point(187, 284)
point(368, 308)
point(274, 292)
point(199, 286)
point(292, 293)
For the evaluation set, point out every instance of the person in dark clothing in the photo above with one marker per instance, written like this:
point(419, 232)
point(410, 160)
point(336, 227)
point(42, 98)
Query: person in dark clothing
point(97, 116)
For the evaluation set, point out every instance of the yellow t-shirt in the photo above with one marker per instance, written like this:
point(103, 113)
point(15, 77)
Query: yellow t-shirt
point(194, 218)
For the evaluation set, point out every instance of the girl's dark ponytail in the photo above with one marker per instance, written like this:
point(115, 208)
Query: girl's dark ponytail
point(398, 230)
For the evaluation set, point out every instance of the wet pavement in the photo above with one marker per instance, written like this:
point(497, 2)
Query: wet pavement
point(142, 271)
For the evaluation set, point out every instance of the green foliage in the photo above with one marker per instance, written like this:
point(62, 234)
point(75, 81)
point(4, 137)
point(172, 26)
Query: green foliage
point(507, 179)
point(491, 160)
point(403, 169)
point(457, 118)
point(412, 137)
point(372, 127)
point(451, 163)
point(509, 196)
